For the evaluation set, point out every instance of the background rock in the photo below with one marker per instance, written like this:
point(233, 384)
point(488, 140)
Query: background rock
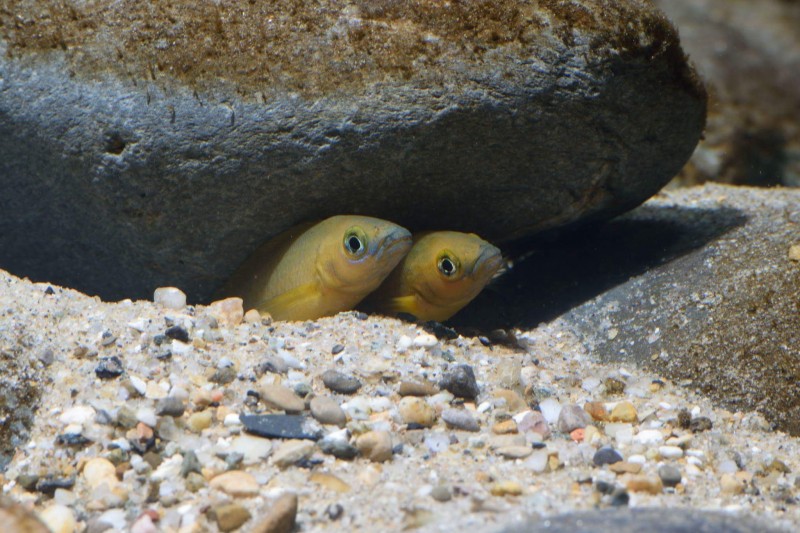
point(151, 145)
point(749, 55)
point(697, 284)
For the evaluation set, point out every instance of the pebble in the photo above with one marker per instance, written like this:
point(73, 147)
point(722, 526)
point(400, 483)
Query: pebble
point(505, 427)
point(49, 484)
point(460, 419)
point(460, 380)
point(606, 456)
point(623, 412)
point(417, 388)
point(281, 426)
point(252, 316)
point(514, 452)
point(229, 516)
point(334, 511)
point(327, 411)
point(170, 298)
point(80, 414)
point(506, 488)
point(670, 475)
point(280, 516)
point(533, 421)
point(415, 410)
point(425, 340)
point(649, 437)
point(338, 447)
point(514, 401)
point(732, 484)
point(572, 417)
point(177, 333)
point(329, 481)
point(339, 382)
point(292, 452)
point(98, 471)
point(550, 409)
point(236, 483)
point(282, 398)
point(538, 461)
point(109, 367)
point(229, 312)
point(701, 423)
point(650, 485)
point(670, 452)
point(375, 446)
point(794, 252)
point(625, 467)
point(199, 421)
point(597, 410)
point(59, 518)
point(441, 493)
point(223, 376)
point(190, 463)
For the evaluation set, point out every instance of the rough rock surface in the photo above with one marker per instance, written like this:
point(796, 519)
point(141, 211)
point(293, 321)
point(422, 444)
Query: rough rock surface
point(697, 283)
point(748, 53)
point(157, 145)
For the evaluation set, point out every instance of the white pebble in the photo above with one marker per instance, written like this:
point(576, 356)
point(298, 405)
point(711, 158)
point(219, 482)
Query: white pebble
point(139, 324)
point(232, 419)
point(254, 449)
point(589, 384)
point(649, 437)
point(224, 362)
point(425, 340)
point(437, 441)
point(115, 518)
point(537, 461)
point(290, 360)
point(670, 452)
point(59, 518)
point(147, 416)
point(139, 384)
point(169, 469)
point(727, 467)
point(550, 409)
point(80, 414)
point(695, 461)
point(180, 348)
point(638, 459)
point(170, 297)
point(403, 344)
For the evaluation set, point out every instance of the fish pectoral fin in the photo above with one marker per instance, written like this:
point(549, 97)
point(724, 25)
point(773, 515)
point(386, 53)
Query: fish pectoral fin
point(301, 303)
point(403, 304)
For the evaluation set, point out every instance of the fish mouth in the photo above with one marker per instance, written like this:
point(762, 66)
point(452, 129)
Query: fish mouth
point(397, 241)
point(488, 262)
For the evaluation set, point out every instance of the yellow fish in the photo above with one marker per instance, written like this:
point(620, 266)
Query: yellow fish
point(319, 269)
point(441, 274)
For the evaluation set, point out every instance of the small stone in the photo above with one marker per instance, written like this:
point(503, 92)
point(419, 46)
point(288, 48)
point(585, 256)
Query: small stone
point(98, 471)
point(236, 483)
point(425, 340)
point(460, 381)
point(649, 437)
point(650, 485)
point(281, 516)
point(59, 518)
point(229, 516)
point(252, 316)
point(684, 418)
point(27, 481)
point(701, 423)
point(282, 398)
point(624, 467)
point(334, 511)
point(273, 364)
point(194, 482)
point(170, 297)
point(415, 410)
point(533, 421)
point(375, 446)
point(126, 417)
point(614, 386)
point(109, 367)
point(199, 421)
point(550, 409)
point(506, 488)
point(670, 452)
point(144, 524)
point(606, 456)
point(253, 449)
point(514, 452)
point(80, 414)
point(177, 333)
point(223, 376)
point(329, 481)
point(292, 452)
point(577, 434)
point(505, 427)
point(327, 411)
point(670, 475)
point(597, 410)
point(624, 412)
point(417, 388)
point(514, 401)
point(170, 406)
point(281, 426)
point(228, 312)
point(339, 382)
point(794, 252)
point(441, 493)
point(190, 464)
point(461, 419)
point(572, 417)
point(732, 484)
point(49, 484)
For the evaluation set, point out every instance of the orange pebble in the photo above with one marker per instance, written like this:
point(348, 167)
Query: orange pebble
point(577, 434)
point(217, 395)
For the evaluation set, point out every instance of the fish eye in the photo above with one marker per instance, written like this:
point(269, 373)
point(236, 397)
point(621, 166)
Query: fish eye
point(354, 243)
point(447, 266)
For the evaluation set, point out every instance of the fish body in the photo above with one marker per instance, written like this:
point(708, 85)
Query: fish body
point(442, 273)
point(319, 269)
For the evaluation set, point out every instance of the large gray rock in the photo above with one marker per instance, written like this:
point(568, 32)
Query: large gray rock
point(144, 144)
point(697, 285)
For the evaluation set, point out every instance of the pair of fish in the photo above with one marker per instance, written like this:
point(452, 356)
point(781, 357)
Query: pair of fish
point(320, 269)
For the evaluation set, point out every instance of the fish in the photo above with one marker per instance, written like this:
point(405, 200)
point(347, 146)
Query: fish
point(319, 269)
point(443, 272)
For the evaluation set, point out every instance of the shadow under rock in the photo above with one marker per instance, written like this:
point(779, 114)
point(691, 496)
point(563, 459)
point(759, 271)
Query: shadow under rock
point(558, 272)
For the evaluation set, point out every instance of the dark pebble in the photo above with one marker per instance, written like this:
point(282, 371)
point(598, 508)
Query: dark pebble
point(303, 389)
point(337, 348)
point(440, 331)
point(339, 382)
point(164, 356)
point(223, 376)
point(72, 439)
point(282, 426)
point(604, 487)
point(614, 386)
point(48, 485)
point(606, 456)
point(27, 481)
point(309, 463)
point(49, 291)
point(159, 339)
point(177, 333)
point(461, 382)
point(670, 475)
point(334, 511)
point(413, 425)
point(190, 464)
point(271, 364)
point(485, 341)
point(153, 459)
point(109, 367)
point(170, 406)
point(701, 423)
point(620, 498)
point(684, 418)
point(338, 448)
point(108, 338)
point(361, 315)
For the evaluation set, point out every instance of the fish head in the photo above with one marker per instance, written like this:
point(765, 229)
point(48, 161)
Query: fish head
point(361, 252)
point(448, 269)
